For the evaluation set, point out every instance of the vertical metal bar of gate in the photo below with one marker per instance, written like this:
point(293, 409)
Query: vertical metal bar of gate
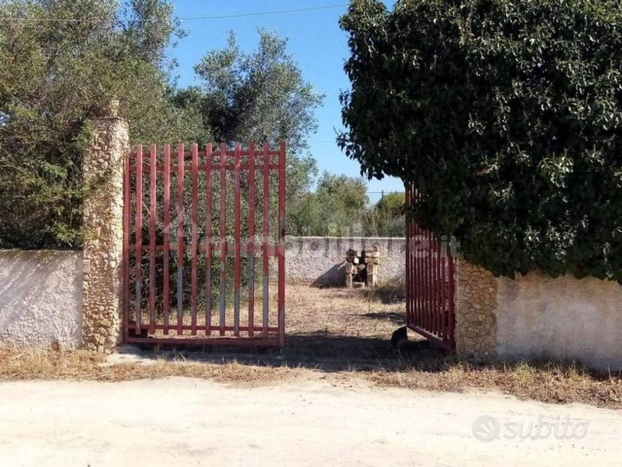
point(139, 234)
point(443, 299)
point(152, 228)
point(236, 241)
point(281, 248)
point(410, 253)
point(167, 237)
point(223, 235)
point(417, 242)
point(451, 311)
point(180, 239)
point(251, 240)
point(195, 238)
point(266, 236)
point(208, 239)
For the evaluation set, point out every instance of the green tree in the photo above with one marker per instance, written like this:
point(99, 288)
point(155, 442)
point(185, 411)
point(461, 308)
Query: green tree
point(506, 116)
point(338, 207)
point(258, 96)
point(349, 193)
point(391, 204)
point(386, 218)
point(59, 61)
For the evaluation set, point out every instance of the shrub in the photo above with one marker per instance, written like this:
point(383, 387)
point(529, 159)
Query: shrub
point(505, 115)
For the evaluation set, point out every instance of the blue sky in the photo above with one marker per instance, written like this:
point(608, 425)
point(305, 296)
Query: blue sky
point(315, 41)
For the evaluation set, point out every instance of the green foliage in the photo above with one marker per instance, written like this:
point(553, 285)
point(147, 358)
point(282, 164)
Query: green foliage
point(391, 204)
point(505, 115)
point(54, 76)
point(337, 208)
point(348, 193)
point(258, 96)
point(386, 218)
point(340, 207)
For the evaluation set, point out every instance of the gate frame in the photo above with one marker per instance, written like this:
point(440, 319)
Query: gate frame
point(430, 282)
point(266, 249)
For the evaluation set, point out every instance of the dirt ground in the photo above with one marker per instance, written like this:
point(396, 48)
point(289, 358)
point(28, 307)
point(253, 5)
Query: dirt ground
point(183, 421)
point(334, 335)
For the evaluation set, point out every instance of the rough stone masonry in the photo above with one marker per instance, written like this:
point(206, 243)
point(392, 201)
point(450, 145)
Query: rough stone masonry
point(103, 232)
point(476, 325)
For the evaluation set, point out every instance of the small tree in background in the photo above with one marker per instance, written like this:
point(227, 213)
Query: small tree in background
point(386, 218)
point(507, 117)
point(337, 206)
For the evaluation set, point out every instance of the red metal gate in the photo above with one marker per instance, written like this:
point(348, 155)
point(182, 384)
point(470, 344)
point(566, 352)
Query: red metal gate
point(177, 222)
point(430, 282)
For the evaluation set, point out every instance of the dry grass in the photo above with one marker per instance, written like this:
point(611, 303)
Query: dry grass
point(342, 335)
point(82, 365)
point(545, 382)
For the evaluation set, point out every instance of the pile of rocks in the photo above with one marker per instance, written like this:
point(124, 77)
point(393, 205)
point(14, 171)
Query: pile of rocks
point(362, 268)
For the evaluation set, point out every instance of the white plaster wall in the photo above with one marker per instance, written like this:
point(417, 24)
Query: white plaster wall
point(563, 318)
point(321, 260)
point(41, 299)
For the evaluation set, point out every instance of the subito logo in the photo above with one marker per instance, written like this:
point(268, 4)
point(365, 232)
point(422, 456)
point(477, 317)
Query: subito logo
point(486, 427)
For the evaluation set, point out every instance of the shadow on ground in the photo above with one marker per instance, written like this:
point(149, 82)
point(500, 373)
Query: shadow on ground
point(313, 351)
point(392, 316)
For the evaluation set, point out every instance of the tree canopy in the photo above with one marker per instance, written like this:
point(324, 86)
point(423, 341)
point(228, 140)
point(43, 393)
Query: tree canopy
point(505, 115)
point(338, 205)
point(387, 217)
point(255, 96)
point(55, 74)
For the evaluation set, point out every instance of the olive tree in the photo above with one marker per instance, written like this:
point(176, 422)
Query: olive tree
point(60, 60)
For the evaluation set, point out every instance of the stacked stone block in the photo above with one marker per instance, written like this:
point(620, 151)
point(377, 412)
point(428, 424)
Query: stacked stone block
point(363, 265)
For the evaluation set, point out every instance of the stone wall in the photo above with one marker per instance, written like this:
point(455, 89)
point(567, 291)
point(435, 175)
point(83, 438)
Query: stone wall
point(103, 234)
point(536, 317)
point(321, 261)
point(41, 299)
point(476, 323)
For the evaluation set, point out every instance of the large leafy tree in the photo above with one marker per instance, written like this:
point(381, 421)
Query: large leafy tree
point(59, 61)
point(505, 115)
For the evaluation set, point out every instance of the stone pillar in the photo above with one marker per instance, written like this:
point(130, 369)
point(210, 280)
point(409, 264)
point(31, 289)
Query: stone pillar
point(476, 323)
point(103, 232)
